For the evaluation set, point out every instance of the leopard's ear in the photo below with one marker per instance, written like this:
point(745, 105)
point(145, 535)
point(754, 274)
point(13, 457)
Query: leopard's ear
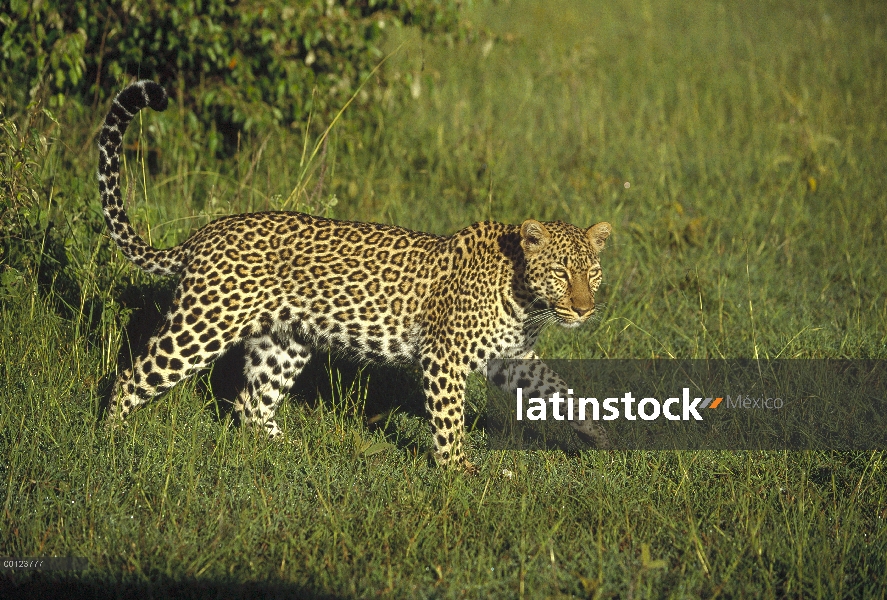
point(533, 235)
point(598, 234)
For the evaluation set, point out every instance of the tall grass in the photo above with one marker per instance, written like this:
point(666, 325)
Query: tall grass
point(738, 151)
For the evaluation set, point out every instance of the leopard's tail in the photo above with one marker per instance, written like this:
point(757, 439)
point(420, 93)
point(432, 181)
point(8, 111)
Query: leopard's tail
point(127, 103)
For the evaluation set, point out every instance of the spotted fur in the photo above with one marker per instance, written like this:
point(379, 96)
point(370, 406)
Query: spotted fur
point(287, 284)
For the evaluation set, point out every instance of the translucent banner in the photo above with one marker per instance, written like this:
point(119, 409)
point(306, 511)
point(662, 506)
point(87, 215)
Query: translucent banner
point(740, 404)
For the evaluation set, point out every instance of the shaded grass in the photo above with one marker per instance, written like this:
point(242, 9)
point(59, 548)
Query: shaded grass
point(752, 140)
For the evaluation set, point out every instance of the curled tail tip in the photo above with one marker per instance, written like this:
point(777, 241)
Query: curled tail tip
point(158, 99)
point(141, 94)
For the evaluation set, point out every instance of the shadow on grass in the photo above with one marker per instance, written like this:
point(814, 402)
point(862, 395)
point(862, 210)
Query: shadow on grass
point(41, 586)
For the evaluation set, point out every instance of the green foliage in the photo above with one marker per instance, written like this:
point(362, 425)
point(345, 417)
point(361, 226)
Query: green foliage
point(23, 223)
point(235, 64)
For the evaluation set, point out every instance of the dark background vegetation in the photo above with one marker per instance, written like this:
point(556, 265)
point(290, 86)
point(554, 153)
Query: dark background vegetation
point(737, 148)
point(232, 64)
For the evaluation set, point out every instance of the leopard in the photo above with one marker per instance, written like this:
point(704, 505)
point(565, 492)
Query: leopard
point(289, 285)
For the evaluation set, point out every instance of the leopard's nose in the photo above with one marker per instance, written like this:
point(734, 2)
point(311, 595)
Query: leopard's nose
point(582, 311)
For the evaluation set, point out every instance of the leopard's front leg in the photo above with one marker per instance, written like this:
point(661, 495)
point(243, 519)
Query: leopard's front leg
point(540, 381)
point(444, 379)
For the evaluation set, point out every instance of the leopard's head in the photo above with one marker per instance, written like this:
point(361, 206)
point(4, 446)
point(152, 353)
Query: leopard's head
point(563, 271)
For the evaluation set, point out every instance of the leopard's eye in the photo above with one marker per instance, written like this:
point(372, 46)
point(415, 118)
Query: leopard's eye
point(561, 273)
point(594, 272)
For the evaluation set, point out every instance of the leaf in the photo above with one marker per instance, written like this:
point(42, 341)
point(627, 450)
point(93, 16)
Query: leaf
point(375, 448)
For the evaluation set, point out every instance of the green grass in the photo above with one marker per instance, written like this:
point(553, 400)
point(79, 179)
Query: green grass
point(752, 139)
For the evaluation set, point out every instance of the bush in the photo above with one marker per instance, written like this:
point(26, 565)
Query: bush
point(29, 245)
point(235, 64)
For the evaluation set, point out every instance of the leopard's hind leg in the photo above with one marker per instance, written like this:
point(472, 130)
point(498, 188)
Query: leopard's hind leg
point(273, 361)
point(178, 350)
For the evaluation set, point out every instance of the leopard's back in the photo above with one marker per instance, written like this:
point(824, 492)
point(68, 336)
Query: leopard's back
point(354, 287)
